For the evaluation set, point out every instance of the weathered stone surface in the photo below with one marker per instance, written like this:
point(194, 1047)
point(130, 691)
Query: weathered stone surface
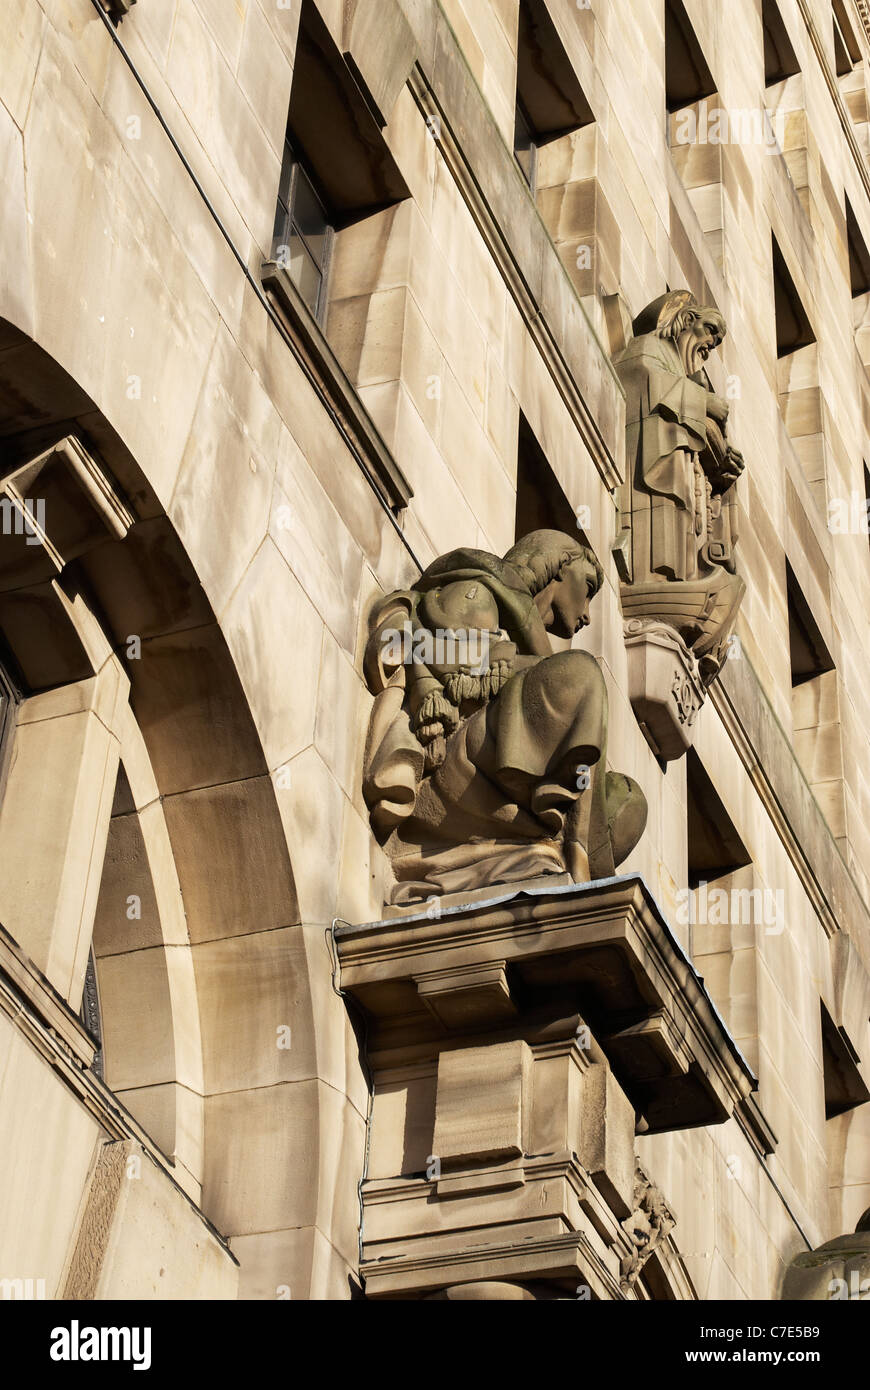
point(132, 320)
point(132, 1216)
point(679, 506)
point(497, 1138)
point(485, 761)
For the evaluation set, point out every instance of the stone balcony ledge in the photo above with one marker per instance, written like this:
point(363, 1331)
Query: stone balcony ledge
point(499, 963)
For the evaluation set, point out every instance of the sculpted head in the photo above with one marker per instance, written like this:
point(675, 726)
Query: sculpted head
point(696, 329)
point(562, 576)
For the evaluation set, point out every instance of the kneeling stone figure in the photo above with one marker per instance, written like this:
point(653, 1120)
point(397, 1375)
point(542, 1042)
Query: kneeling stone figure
point(492, 772)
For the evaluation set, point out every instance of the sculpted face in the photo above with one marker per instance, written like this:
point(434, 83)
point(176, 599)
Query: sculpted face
point(564, 603)
point(699, 339)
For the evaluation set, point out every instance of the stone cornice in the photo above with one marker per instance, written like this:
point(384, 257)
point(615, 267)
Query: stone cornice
point(606, 940)
point(770, 761)
point(572, 1255)
point(836, 95)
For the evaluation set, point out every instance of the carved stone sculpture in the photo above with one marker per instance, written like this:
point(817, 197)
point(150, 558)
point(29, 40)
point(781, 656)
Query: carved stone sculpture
point(486, 755)
point(650, 1223)
point(679, 517)
point(839, 1269)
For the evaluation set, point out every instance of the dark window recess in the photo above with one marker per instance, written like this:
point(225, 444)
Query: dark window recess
point(525, 149)
point(809, 654)
point(844, 1085)
point(713, 844)
point(118, 8)
point(847, 50)
point(859, 256)
point(303, 232)
point(780, 59)
point(550, 99)
point(336, 167)
point(541, 503)
point(687, 77)
point(793, 328)
point(547, 84)
point(333, 130)
point(867, 498)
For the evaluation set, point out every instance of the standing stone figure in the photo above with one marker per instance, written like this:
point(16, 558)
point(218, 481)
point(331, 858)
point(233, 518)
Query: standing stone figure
point(486, 753)
point(680, 503)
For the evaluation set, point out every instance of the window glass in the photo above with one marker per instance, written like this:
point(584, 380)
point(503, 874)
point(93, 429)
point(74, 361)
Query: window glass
point(309, 217)
point(304, 271)
point(302, 231)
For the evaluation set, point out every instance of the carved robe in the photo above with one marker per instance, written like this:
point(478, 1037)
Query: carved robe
point(494, 807)
point(666, 432)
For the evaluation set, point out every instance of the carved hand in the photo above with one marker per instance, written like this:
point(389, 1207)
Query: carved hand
point(717, 407)
point(734, 466)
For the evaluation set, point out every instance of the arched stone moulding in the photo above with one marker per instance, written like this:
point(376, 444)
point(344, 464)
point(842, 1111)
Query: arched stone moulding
point(76, 743)
point(147, 756)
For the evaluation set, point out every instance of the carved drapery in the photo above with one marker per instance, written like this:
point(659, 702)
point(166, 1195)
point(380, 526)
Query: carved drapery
point(486, 755)
point(680, 591)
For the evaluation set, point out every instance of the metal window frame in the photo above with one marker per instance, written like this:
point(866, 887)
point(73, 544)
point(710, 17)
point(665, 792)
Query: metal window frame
point(291, 226)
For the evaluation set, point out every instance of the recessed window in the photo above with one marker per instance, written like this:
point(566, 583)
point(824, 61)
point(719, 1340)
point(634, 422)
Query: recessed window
point(541, 501)
point(714, 847)
point(90, 1013)
point(809, 654)
point(780, 59)
point(859, 256)
point(847, 50)
point(8, 704)
point(793, 327)
point(336, 169)
point(844, 1085)
point(303, 232)
point(687, 76)
point(550, 100)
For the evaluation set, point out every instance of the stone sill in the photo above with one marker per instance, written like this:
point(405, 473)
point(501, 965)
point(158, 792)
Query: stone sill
point(23, 986)
point(336, 388)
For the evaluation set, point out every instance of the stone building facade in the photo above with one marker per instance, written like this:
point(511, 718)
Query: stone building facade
point(296, 297)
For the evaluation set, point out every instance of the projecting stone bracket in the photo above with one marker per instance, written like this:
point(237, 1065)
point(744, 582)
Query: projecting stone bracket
point(517, 1043)
point(470, 995)
point(664, 686)
point(54, 509)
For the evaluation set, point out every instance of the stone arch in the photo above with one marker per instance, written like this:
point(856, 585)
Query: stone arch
point(125, 668)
